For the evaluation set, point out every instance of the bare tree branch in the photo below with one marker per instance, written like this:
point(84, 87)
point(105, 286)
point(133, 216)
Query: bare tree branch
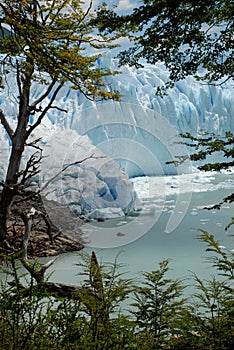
point(28, 222)
point(65, 168)
point(55, 289)
point(87, 11)
point(38, 271)
point(43, 96)
point(29, 195)
point(27, 219)
point(6, 125)
point(59, 109)
point(39, 119)
point(31, 168)
point(34, 144)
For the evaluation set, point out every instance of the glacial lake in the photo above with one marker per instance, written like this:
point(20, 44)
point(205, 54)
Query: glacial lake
point(166, 227)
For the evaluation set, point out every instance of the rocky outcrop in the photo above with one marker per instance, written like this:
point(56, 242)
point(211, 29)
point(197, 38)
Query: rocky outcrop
point(45, 238)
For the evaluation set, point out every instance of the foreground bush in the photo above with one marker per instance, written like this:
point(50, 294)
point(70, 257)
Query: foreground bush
point(110, 311)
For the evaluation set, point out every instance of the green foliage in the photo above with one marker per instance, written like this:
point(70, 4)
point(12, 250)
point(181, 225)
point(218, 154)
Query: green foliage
point(204, 146)
point(190, 37)
point(103, 308)
point(159, 307)
point(159, 316)
point(23, 313)
point(213, 304)
point(54, 39)
point(223, 259)
point(212, 313)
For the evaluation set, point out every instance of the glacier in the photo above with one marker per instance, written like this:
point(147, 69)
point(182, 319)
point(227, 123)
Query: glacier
point(139, 133)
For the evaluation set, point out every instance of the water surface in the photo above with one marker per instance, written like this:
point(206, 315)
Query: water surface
point(172, 212)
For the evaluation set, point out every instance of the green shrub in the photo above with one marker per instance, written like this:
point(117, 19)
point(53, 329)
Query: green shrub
point(100, 315)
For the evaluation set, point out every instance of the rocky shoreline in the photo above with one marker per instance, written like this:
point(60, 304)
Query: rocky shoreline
point(46, 239)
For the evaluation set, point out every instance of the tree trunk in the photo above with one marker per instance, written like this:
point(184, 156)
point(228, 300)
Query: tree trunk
point(6, 200)
point(18, 138)
point(9, 189)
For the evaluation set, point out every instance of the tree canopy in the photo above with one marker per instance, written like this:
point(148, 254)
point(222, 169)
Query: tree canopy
point(189, 37)
point(52, 37)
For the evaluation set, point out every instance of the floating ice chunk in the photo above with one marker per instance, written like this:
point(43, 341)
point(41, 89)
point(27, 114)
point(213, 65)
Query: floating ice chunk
point(106, 213)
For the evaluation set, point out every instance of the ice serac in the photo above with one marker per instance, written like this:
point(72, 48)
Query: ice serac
point(141, 130)
point(84, 178)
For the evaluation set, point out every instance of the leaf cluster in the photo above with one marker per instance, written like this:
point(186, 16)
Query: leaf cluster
point(189, 37)
point(53, 39)
point(206, 145)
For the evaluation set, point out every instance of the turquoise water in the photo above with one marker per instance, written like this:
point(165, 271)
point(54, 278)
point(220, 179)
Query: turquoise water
point(144, 242)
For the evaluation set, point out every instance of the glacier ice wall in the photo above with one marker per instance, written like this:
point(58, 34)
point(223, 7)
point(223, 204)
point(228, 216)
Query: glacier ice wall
point(140, 131)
